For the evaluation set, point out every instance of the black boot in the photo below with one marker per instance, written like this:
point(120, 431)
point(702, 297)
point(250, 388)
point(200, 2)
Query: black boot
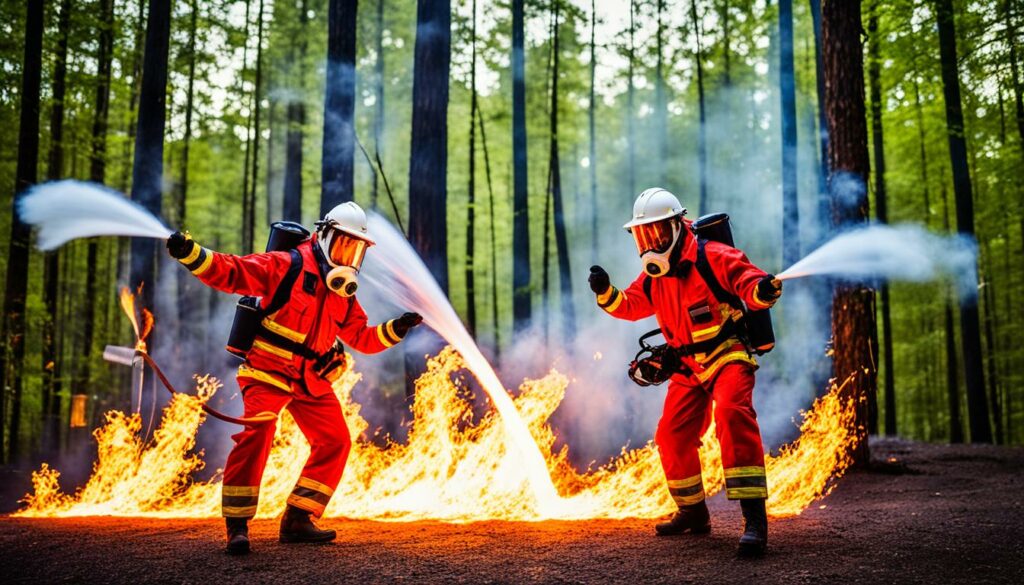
point(755, 533)
point(238, 536)
point(296, 526)
point(693, 518)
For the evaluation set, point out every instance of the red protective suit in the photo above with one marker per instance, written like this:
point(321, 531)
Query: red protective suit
point(278, 371)
point(688, 313)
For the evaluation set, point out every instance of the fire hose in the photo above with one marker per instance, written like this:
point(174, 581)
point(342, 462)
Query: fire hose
point(259, 419)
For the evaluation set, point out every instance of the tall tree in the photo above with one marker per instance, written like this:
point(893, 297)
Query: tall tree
point(593, 137)
point(51, 268)
point(853, 315)
point(378, 119)
point(702, 131)
point(630, 101)
point(181, 212)
point(248, 229)
point(824, 213)
point(555, 186)
point(660, 105)
point(428, 156)
point(471, 188)
point(296, 122)
point(12, 355)
point(339, 105)
point(882, 212)
point(787, 91)
point(521, 288)
point(977, 405)
point(494, 239)
point(725, 18)
point(148, 165)
point(257, 99)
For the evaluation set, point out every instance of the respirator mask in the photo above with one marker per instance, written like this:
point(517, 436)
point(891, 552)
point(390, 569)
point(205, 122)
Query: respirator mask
point(655, 242)
point(344, 253)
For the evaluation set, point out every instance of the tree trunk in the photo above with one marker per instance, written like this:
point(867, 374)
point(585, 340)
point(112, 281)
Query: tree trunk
point(521, 289)
point(787, 91)
point(339, 105)
point(148, 165)
point(51, 268)
point(188, 349)
point(977, 405)
point(12, 355)
point(724, 18)
point(494, 240)
point(630, 101)
point(247, 228)
point(823, 197)
point(561, 237)
point(292, 200)
point(660, 121)
point(593, 137)
point(1018, 98)
point(378, 119)
point(853, 311)
point(471, 189)
point(881, 210)
point(993, 378)
point(702, 132)
point(257, 91)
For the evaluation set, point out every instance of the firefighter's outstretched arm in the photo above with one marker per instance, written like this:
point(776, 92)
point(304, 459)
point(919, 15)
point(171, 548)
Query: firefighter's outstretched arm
point(631, 304)
point(365, 338)
point(255, 274)
point(758, 289)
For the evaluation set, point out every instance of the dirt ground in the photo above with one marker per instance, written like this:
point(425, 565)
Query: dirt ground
point(941, 514)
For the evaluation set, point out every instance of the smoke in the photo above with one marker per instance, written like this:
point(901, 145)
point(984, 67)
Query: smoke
point(66, 210)
point(903, 252)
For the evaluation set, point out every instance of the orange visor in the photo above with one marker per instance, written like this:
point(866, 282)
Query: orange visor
point(653, 237)
point(346, 250)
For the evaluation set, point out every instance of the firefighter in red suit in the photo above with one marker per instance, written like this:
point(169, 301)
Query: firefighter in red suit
point(295, 357)
point(715, 367)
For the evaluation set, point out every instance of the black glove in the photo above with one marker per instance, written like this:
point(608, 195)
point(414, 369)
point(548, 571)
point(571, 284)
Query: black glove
point(179, 245)
point(769, 289)
point(599, 281)
point(403, 324)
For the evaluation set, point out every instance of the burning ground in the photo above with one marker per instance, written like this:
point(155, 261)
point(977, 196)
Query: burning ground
point(938, 514)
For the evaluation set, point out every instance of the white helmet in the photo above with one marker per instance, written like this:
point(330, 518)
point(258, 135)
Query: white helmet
point(343, 239)
point(656, 229)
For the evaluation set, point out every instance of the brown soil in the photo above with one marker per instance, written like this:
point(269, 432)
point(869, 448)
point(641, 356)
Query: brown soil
point(936, 514)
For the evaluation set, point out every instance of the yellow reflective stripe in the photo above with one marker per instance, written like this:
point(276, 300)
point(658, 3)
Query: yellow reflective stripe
point(759, 304)
point(746, 493)
point(391, 331)
point(245, 371)
point(603, 297)
point(196, 251)
point(238, 511)
point(750, 471)
point(273, 349)
point(618, 301)
point(684, 483)
point(240, 490)
point(702, 334)
point(306, 504)
point(383, 337)
point(315, 486)
point(689, 500)
point(205, 265)
point(283, 331)
point(733, 356)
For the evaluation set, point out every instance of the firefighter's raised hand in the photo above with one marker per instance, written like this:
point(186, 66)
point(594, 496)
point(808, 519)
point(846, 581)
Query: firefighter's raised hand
point(403, 324)
point(180, 245)
point(599, 280)
point(769, 289)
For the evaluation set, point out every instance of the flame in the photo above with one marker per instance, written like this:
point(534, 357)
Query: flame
point(128, 306)
point(451, 468)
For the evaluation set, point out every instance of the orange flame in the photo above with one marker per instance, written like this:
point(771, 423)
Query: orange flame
point(450, 468)
point(128, 306)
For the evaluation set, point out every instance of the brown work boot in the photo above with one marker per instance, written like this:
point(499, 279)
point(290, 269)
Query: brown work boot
point(296, 526)
point(238, 536)
point(693, 518)
point(755, 534)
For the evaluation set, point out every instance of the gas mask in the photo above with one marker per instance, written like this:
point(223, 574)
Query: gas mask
point(655, 242)
point(344, 253)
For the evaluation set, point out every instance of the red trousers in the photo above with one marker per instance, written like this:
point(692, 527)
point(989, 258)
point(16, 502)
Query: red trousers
point(320, 420)
point(684, 421)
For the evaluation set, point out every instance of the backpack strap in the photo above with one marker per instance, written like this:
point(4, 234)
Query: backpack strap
point(647, 289)
point(284, 289)
point(705, 271)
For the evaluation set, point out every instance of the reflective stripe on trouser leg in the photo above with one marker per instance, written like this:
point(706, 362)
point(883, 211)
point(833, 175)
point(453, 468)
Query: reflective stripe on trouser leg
point(738, 432)
point(686, 492)
point(239, 501)
point(321, 421)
